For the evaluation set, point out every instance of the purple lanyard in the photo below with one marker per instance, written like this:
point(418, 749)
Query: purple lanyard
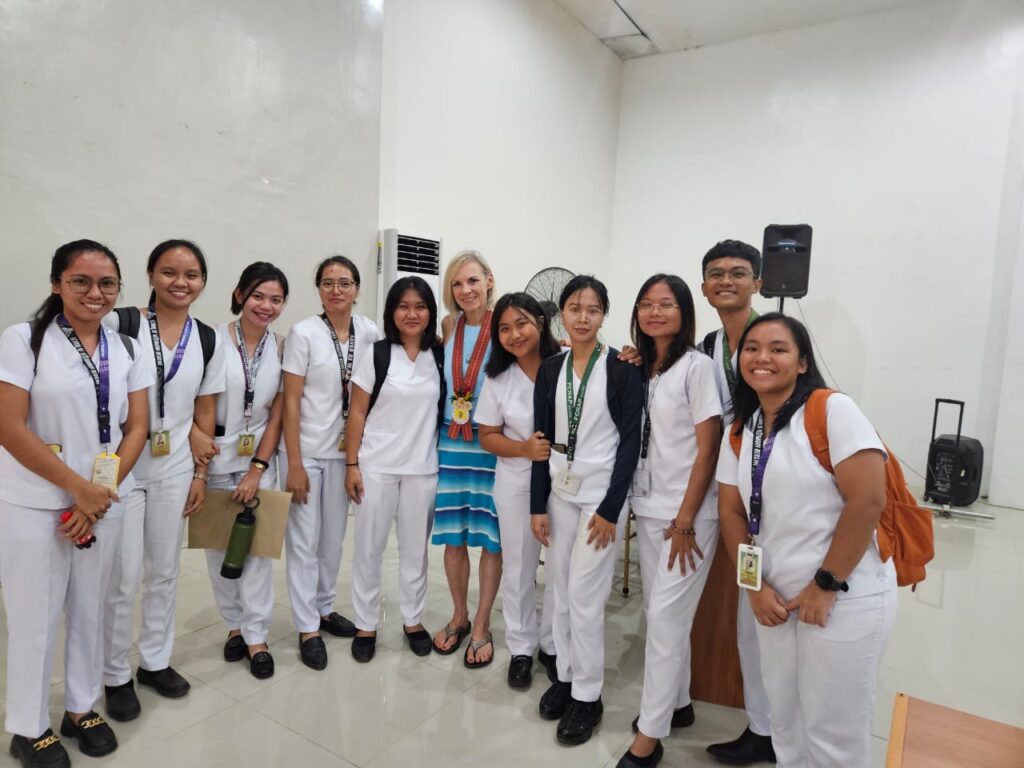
point(158, 354)
point(761, 451)
point(100, 377)
point(250, 369)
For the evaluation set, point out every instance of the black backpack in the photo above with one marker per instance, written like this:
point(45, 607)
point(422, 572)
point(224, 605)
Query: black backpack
point(708, 345)
point(130, 320)
point(382, 361)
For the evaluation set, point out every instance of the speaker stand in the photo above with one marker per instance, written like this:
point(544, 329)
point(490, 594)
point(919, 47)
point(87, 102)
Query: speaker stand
point(966, 513)
point(782, 300)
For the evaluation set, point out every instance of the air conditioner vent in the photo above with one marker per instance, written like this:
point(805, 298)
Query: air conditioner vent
point(419, 255)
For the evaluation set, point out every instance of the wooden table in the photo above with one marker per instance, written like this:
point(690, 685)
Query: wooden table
point(715, 660)
point(926, 735)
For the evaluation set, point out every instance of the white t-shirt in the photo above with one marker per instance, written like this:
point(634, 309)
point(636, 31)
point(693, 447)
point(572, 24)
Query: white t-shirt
point(310, 352)
point(231, 402)
point(62, 408)
point(597, 441)
point(724, 393)
point(682, 397)
point(180, 395)
point(801, 503)
point(400, 434)
point(507, 401)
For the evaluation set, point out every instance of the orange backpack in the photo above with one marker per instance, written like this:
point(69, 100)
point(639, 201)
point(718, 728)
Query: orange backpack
point(905, 528)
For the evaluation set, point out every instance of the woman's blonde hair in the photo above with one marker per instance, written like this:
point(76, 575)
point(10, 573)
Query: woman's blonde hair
point(463, 257)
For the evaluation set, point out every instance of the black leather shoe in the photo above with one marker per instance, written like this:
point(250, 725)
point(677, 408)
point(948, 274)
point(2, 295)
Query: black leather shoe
point(261, 664)
point(578, 723)
point(520, 672)
point(363, 648)
point(95, 738)
point(555, 701)
point(167, 682)
point(681, 718)
point(234, 648)
point(122, 703)
point(44, 752)
point(420, 642)
point(313, 652)
point(748, 749)
point(338, 625)
point(548, 660)
point(629, 760)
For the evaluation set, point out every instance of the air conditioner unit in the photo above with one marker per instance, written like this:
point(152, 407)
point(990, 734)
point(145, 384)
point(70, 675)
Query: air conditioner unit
point(403, 255)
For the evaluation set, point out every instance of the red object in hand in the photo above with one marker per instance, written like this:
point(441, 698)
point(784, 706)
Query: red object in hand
point(85, 541)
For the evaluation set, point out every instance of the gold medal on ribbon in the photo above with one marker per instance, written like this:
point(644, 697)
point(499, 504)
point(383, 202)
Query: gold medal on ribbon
point(461, 407)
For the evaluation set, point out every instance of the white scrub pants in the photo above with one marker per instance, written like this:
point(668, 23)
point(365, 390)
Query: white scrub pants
point(150, 555)
point(408, 501)
point(670, 603)
point(245, 603)
point(821, 682)
point(526, 627)
point(313, 542)
point(755, 698)
point(44, 574)
point(582, 578)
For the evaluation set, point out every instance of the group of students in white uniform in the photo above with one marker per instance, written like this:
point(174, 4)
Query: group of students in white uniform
point(113, 424)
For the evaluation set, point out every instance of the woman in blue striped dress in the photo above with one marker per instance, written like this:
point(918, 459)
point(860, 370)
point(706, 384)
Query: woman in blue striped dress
point(465, 514)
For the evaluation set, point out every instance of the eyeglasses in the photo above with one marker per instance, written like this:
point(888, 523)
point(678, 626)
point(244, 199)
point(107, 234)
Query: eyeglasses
point(590, 313)
point(341, 285)
point(80, 285)
point(665, 307)
point(734, 274)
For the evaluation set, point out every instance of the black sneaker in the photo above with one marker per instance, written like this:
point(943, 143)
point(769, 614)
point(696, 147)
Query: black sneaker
point(555, 700)
point(681, 718)
point(95, 738)
point(122, 703)
point(43, 752)
point(234, 648)
point(167, 682)
point(748, 749)
point(313, 652)
point(578, 723)
point(338, 625)
point(549, 662)
point(520, 672)
point(363, 648)
point(629, 760)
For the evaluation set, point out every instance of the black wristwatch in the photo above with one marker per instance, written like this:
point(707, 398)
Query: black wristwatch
point(828, 581)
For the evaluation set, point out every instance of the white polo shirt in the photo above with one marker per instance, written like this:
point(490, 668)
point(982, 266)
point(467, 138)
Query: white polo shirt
point(721, 382)
point(62, 409)
point(506, 401)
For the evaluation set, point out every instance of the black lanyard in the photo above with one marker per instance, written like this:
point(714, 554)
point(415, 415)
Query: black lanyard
point(344, 361)
point(100, 376)
point(250, 369)
point(158, 356)
point(574, 406)
point(650, 385)
point(759, 454)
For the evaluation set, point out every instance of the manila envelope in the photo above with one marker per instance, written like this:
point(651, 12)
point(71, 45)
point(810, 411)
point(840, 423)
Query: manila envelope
point(210, 527)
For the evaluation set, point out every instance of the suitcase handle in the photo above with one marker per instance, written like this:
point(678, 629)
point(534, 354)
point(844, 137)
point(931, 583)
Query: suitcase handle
point(960, 419)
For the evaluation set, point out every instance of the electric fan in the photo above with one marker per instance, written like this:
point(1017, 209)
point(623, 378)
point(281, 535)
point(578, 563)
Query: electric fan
point(546, 287)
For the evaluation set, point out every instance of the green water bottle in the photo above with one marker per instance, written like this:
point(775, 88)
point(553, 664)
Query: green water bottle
point(241, 540)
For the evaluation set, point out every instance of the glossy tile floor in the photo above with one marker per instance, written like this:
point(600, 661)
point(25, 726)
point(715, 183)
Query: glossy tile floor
point(956, 642)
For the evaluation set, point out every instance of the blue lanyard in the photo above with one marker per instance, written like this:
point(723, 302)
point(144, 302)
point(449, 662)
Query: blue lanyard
point(158, 355)
point(100, 376)
point(761, 451)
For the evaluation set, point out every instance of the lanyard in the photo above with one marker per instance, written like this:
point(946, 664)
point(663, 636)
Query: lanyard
point(645, 437)
point(100, 377)
point(730, 374)
point(464, 383)
point(158, 355)
point(344, 361)
point(762, 449)
point(250, 369)
point(574, 406)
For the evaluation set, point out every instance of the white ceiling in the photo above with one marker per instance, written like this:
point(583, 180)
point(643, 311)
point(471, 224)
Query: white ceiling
point(634, 28)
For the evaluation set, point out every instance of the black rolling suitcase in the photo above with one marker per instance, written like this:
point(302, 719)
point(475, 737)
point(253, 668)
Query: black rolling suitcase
point(954, 464)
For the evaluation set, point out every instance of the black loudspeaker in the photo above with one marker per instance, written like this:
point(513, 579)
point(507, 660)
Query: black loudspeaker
point(954, 464)
point(786, 260)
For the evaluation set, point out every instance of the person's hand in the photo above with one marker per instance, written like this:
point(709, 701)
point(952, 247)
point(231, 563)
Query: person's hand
point(813, 604)
point(93, 500)
point(297, 483)
point(537, 447)
point(539, 526)
point(203, 446)
point(602, 532)
point(76, 526)
point(631, 355)
point(768, 608)
point(196, 497)
point(247, 487)
point(683, 548)
point(354, 484)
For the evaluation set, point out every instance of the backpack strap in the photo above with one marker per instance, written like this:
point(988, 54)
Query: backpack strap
point(438, 351)
point(735, 439)
point(208, 340)
point(816, 426)
point(129, 319)
point(381, 362)
point(708, 345)
point(129, 345)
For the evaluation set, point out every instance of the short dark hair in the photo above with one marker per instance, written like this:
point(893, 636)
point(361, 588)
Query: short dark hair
point(735, 249)
point(501, 358)
point(580, 283)
point(683, 340)
point(341, 261)
point(252, 277)
point(168, 245)
point(422, 289)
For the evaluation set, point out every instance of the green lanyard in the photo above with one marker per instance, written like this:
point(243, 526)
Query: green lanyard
point(574, 406)
point(730, 375)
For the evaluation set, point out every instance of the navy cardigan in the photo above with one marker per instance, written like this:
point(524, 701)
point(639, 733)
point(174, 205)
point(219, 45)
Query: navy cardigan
point(625, 393)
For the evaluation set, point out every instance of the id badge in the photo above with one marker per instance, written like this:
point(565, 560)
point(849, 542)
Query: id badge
point(246, 445)
point(341, 442)
point(568, 483)
point(160, 443)
point(104, 470)
point(748, 567)
point(642, 483)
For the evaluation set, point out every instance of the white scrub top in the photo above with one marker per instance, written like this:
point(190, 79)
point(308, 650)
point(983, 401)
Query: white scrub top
point(506, 401)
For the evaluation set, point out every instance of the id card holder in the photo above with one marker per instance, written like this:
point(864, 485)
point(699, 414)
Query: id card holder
point(105, 468)
point(642, 483)
point(341, 442)
point(246, 445)
point(748, 567)
point(568, 483)
point(160, 443)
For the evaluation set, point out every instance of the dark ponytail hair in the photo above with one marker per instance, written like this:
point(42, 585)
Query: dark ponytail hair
point(744, 399)
point(687, 329)
point(54, 305)
point(253, 276)
point(500, 358)
point(163, 248)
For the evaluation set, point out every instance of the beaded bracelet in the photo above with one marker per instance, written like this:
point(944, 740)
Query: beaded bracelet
point(682, 531)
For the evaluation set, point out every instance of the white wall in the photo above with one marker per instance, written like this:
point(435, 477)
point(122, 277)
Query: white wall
point(499, 124)
point(252, 128)
point(890, 134)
